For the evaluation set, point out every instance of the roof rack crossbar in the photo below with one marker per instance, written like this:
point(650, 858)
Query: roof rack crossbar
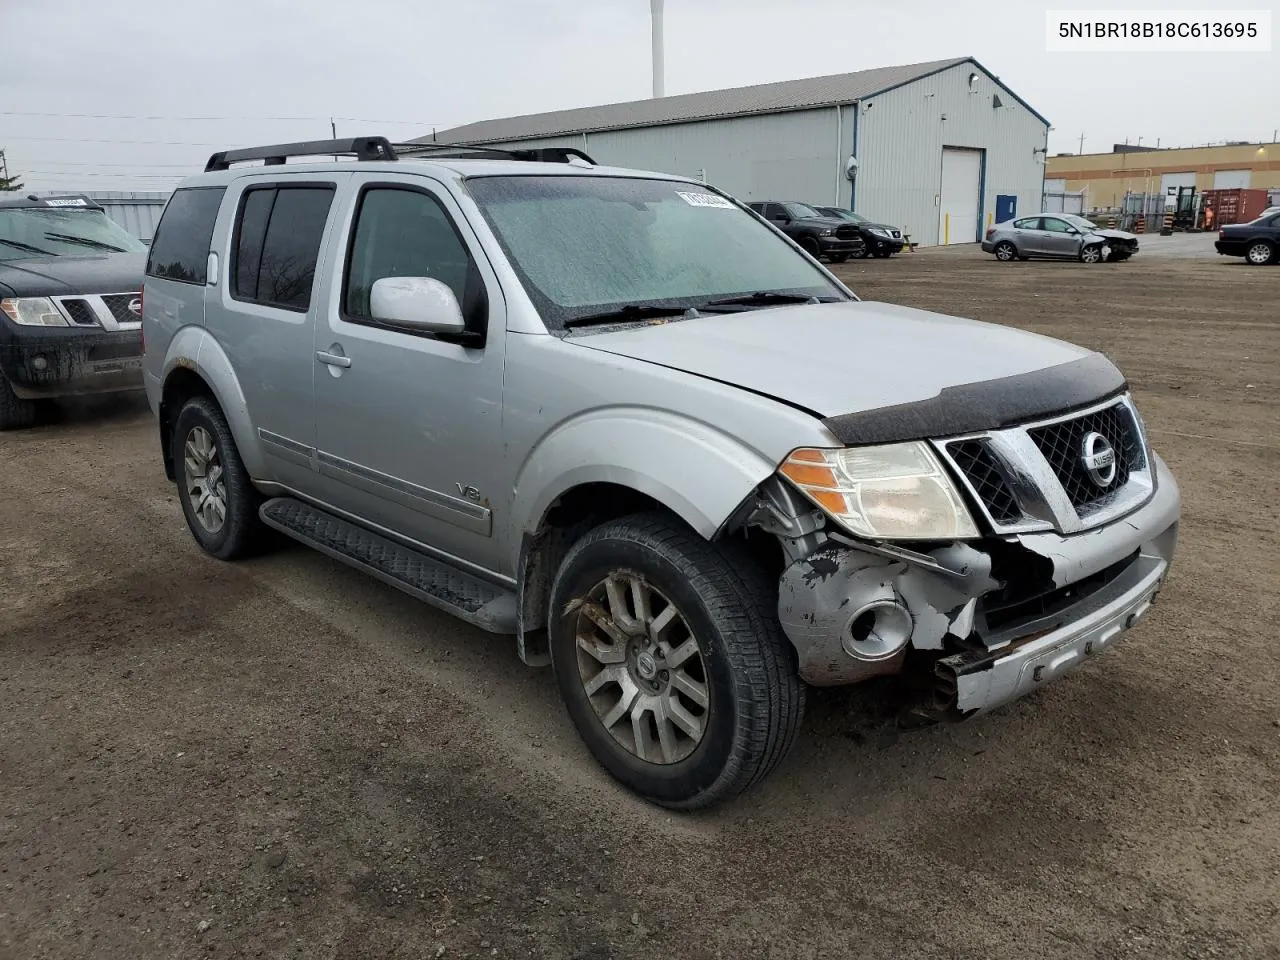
point(380, 148)
point(362, 148)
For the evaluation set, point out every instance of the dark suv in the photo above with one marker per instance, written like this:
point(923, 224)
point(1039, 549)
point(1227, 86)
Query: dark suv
point(70, 304)
point(820, 235)
point(881, 239)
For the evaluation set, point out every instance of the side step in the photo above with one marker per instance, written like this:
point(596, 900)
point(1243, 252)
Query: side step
point(488, 606)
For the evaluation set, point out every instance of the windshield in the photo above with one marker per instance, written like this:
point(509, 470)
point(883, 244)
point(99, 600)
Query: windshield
point(1079, 222)
point(801, 211)
point(1266, 214)
point(584, 245)
point(61, 232)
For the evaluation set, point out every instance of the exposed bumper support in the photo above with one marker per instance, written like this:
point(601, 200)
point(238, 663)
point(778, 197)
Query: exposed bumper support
point(819, 593)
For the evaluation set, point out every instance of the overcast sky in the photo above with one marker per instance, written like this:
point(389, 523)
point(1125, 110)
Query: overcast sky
point(400, 67)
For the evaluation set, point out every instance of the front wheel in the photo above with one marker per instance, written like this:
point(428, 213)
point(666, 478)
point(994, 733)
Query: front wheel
point(1091, 254)
point(811, 247)
point(218, 499)
point(1006, 251)
point(16, 413)
point(671, 662)
point(1260, 254)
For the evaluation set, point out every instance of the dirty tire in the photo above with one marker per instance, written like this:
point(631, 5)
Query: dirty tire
point(16, 413)
point(1006, 252)
point(242, 532)
point(811, 247)
point(1260, 254)
point(864, 252)
point(756, 698)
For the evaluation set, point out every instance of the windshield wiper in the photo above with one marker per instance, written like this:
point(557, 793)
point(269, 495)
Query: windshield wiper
point(27, 247)
point(766, 298)
point(629, 312)
point(85, 241)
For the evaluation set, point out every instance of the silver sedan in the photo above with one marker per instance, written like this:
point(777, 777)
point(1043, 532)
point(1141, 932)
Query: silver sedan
point(1062, 236)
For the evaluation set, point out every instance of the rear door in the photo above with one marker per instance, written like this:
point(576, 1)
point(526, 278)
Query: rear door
point(264, 314)
point(1026, 235)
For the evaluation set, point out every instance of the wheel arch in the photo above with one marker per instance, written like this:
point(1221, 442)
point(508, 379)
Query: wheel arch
point(195, 364)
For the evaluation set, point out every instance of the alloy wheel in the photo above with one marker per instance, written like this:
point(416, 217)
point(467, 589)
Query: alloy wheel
point(642, 669)
point(1259, 253)
point(205, 485)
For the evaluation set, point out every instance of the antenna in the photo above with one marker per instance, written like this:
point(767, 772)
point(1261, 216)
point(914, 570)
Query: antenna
point(655, 7)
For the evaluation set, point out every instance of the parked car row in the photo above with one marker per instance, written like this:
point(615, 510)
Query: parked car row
point(1058, 236)
point(831, 232)
point(666, 484)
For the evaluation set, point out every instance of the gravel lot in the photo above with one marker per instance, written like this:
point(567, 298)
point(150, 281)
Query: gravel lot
point(286, 759)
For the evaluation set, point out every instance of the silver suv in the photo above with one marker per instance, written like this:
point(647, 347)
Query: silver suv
point(622, 418)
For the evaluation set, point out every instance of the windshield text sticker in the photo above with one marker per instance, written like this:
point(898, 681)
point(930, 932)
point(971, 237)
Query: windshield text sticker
point(703, 200)
point(74, 202)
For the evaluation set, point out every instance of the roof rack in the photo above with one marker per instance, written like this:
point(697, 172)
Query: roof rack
point(380, 148)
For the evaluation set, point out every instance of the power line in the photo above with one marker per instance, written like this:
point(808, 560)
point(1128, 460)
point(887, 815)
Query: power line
point(135, 116)
point(158, 143)
point(64, 174)
point(91, 163)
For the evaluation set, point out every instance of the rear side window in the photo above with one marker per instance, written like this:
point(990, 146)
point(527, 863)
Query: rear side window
point(277, 243)
point(180, 249)
point(1028, 223)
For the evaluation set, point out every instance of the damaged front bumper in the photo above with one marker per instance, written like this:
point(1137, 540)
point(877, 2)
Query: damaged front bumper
point(991, 620)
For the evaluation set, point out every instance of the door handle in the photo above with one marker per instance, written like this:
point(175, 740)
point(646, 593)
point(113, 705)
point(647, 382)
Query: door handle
point(332, 359)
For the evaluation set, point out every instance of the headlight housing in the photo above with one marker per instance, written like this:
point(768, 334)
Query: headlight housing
point(826, 231)
point(880, 232)
point(898, 491)
point(32, 312)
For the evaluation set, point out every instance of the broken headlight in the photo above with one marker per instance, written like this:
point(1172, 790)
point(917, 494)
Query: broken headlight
point(898, 491)
point(32, 312)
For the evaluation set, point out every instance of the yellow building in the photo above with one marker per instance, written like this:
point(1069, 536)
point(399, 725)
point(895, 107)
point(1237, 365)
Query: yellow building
point(1105, 178)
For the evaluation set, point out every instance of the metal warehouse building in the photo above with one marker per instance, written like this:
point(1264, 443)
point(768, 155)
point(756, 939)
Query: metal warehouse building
point(941, 149)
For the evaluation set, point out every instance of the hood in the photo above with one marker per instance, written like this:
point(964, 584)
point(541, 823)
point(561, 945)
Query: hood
point(821, 221)
point(873, 226)
point(1115, 234)
point(58, 276)
point(842, 360)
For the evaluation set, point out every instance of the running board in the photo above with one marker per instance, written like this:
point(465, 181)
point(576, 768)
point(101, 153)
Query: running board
point(486, 605)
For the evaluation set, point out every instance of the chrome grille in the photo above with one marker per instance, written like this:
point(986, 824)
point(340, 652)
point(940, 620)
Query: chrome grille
point(979, 467)
point(80, 312)
point(1062, 445)
point(118, 304)
point(1033, 477)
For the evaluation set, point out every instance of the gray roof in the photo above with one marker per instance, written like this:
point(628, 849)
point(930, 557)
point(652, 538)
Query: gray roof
point(712, 104)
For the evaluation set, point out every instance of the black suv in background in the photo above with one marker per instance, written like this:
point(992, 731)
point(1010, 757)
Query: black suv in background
point(70, 304)
point(881, 240)
point(820, 235)
point(1257, 241)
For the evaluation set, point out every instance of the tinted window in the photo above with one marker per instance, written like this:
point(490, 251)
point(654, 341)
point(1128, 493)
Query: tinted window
point(180, 250)
point(254, 211)
point(276, 266)
point(406, 233)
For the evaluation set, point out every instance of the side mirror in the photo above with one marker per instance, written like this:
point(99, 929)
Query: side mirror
point(416, 303)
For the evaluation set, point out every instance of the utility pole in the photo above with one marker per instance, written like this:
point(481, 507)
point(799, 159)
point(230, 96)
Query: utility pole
point(1082, 143)
point(655, 9)
point(333, 134)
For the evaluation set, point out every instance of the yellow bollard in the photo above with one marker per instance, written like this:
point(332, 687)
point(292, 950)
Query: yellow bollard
point(946, 229)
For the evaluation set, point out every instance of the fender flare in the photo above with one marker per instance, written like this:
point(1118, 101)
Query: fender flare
point(699, 472)
point(193, 349)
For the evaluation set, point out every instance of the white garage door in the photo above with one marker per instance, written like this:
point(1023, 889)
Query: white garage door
point(1231, 180)
point(958, 209)
point(1187, 179)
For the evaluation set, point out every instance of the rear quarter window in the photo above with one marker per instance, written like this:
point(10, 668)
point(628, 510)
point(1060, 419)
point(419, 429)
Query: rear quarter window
point(180, 249)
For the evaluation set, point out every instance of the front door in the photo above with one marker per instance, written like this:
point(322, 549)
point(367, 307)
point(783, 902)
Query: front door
point(1059, 238)
point(409, 424)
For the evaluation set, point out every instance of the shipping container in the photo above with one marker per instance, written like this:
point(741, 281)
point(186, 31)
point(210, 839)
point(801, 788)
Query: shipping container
point(1235, 205)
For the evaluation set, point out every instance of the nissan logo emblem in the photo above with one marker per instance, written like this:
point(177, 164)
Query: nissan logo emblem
point(135, 306)
point(1098, 458)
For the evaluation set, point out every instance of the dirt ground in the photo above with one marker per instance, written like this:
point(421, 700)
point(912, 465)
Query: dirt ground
point(286, 759)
